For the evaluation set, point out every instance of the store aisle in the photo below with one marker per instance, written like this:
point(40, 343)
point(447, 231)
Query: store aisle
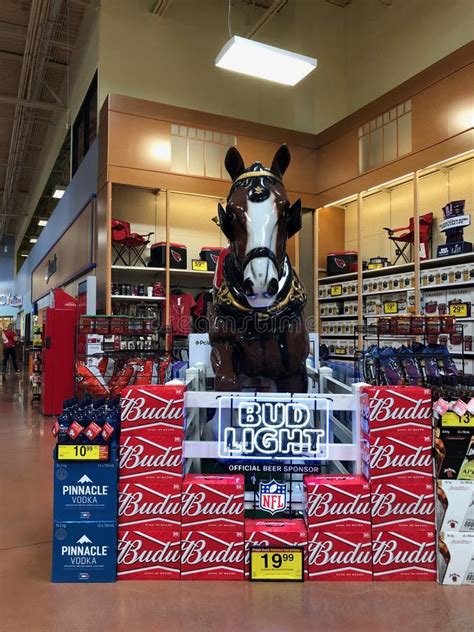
point(28, 601)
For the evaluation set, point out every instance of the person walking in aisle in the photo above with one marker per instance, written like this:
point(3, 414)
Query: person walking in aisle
point(9, 339)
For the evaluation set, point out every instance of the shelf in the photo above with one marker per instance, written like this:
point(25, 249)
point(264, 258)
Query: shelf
point(336, 336)
point(153, 271)
point(444, 284)
point(378, 292)
point(342, 297)
point(337, 316)
point(341, 357)
point(138, 299)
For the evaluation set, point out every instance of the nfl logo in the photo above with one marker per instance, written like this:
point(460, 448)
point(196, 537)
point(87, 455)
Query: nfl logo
point(272, 497)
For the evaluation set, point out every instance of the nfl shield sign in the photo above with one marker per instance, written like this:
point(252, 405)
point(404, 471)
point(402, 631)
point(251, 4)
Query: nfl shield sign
point(272, 497)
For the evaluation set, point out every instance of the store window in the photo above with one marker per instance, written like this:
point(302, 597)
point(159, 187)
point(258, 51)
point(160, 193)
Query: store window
point(385, 138)
point(199, 152)
point(84, 129)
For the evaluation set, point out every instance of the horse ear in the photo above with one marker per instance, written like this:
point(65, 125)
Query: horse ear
point(281, 160)
point(294, 219)
point(234, 163)
point(225, 223)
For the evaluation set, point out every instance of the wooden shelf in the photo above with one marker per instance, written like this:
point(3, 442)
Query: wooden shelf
point(337, 316)
point(336, 336)
point(173, 271)
point(138, 299)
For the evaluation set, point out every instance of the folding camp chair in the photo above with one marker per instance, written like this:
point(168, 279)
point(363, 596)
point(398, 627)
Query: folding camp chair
point(129, 247)
point(406, 239)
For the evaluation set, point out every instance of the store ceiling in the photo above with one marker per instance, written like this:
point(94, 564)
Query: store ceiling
point(37, 38)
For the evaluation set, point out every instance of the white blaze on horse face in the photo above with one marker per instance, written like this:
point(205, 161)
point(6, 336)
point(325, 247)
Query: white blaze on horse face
point(262, 220)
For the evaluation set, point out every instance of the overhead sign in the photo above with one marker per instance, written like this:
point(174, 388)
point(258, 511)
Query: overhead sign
point(273, 427)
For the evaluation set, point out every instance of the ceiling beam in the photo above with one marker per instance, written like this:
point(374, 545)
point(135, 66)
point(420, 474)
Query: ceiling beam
point(8, 55)
point(40, 105)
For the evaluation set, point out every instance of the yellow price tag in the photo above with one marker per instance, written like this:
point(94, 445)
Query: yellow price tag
point(199, 266)
point(336, 290)
point(276, 564)
point(340, 351)
point(83, 452)
point(390, 307)
point(451, 420)
point(460, 310)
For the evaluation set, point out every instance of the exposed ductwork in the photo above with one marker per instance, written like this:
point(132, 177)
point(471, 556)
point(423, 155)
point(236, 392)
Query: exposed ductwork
point(273, 9)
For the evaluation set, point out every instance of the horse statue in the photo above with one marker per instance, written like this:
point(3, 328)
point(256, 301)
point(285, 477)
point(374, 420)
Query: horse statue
point(256, 325)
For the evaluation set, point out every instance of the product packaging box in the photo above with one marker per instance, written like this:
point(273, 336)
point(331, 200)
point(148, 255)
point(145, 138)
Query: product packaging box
point(152, 409)
point(144, 459)
point(336, 503)
point(398, 458)
point(454, 441)
point(84, 552)
point(455, 506)
point(397, 409)
point(152, 506)
point(404, 555)
point(178, 255)
point(212, 554)
point(339, 556)
point(408, 506)
point(213, 502)
point(148, 553)
point(273, 532)
point(456, 558)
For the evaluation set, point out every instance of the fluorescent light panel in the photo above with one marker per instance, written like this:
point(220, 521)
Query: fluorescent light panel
point(264, 61)
point(58, 192)
point(33, 240)
point(23, 255)
point(42, 222)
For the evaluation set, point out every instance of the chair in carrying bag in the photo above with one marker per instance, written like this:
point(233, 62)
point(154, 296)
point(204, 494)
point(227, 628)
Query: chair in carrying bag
point(129, 247)
point(407, 238)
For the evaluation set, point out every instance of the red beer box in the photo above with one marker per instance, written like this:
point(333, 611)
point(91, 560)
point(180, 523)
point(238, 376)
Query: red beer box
point(148, 553)
point(282, 533)
point(215, 502)
point(212, 554)
point(404, 555)
point(337, 503)
point(155, 506)
point(143, 459)
point(340, 556)
point(152, 409)
point(400, 458)
point(397, 409)
point(402, 506)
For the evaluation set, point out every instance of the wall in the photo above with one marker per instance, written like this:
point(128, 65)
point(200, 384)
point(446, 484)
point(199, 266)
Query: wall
point(7, 273)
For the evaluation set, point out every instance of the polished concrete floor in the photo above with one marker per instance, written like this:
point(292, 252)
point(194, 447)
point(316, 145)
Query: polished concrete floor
point(30, 603)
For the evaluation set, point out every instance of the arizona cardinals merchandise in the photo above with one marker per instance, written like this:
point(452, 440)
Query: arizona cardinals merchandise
point(211, 255)
point(397, 409)
point(178, 255)
point(337, 503)
point(151, 458)
point(340, 556)
point(212, 554)
point(181, 306)
point(153, 409)
point(341, 262)
point(397, 506)
point(152, 506)
point(404, 555)
point(455, 506)
point(398, 458)
point(148, 554)
point(215, 502)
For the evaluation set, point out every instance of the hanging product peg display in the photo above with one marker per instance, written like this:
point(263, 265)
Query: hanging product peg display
point(455, 220)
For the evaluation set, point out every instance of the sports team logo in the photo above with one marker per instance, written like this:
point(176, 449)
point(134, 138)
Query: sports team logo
point(341, 264)
point(214, 258)
point(176, 256)
point(273, 497)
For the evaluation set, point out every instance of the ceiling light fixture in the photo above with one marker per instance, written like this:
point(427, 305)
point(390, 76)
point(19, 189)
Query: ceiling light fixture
point(23, 255)
point(265, 62)
point(33, 240)
point(42, 222)
point(58, 192)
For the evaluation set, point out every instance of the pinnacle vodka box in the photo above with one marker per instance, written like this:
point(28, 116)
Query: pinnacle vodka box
point(84, 552)
point(85, 491)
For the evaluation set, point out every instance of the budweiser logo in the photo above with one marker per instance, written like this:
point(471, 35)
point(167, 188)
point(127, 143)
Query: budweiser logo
point(384, 409)
point(134, 456)
point(321, 505)
point(133, 504)
point(135, 409)
point(387, 456)
point(194, 552)
point(195, 504)
point(322, 553)
point(387, 552)
point(387, 504)
point(133, 551)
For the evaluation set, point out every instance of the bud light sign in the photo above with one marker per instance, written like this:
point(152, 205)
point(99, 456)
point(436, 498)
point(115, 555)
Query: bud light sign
point(273, 427)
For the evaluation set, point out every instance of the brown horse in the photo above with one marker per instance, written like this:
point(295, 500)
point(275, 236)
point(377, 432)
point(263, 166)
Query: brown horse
point(257, 326)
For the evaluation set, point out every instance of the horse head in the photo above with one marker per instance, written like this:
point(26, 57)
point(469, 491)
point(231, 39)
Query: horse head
point(258, 220)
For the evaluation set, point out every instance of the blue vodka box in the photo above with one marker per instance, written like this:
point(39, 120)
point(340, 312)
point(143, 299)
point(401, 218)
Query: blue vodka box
point(84, 552)
point(85, 490)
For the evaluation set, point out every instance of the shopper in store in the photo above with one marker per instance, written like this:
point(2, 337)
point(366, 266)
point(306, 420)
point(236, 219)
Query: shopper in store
point(9, 339)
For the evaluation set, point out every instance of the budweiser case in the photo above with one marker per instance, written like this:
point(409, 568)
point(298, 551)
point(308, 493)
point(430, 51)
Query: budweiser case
point(152, 409)
point(404, 555)
point(152, 507)
point(397, 409)
point(340, 555)
point(397, 457)
point(455, 506)
point(212, 555)
point(273, 533)
point(144, 459)
point(402, 506)
point(336, 503)
point(215, 502)
point(148, 553)
point(456, 558)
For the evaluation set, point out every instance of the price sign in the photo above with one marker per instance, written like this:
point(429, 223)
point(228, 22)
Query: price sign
point(459, 310)
point(198, 265)
point(83, 452)
point(336, 290)
point(340, 351)
point(275, 564)
point(390, 307)
point(451, 420)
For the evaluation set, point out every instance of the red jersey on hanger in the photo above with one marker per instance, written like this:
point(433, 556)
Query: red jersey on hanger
point(180, 313)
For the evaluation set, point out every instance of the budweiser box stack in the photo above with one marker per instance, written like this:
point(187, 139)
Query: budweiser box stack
point(150, 476)
point(212, 523)
point(397, 455)
point(337, 514)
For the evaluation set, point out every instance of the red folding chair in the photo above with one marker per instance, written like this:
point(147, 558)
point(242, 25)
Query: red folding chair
point(129, 247)
point(406, 239)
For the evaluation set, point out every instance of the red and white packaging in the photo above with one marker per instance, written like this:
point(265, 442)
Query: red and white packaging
point(150, 459)
point(400, 458)
point(340, 556)
point(212, 554)
point(155, 506)
point(153, 409)
point(402, 506)
point(397, 409)
point(337, 503)
point(273, 533)
point(404, 555)
point(148, 553)
point(215, 502)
